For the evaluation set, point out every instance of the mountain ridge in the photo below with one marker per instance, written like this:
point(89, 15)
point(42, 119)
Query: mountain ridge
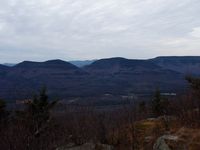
point(118, 76)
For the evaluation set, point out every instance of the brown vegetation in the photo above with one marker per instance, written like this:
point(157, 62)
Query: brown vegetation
point(40, 126)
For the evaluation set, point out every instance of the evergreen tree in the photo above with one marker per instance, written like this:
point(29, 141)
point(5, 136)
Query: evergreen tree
point(2, 109)
point(195, 85)
point(39, 112)
point(142, 107)
point(157, 104)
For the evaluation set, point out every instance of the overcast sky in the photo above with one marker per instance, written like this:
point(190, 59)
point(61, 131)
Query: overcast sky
point(90, 29)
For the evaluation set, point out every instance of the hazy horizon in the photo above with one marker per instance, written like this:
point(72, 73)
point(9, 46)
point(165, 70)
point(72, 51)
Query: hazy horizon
point(73, 60)
point(40, 30)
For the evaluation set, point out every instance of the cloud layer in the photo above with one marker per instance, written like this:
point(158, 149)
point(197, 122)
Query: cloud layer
point(89, 29)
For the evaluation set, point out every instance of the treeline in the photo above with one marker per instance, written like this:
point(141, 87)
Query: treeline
point(40, 127)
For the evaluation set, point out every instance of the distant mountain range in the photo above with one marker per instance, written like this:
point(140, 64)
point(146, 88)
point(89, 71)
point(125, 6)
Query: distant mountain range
point(185, 65)
point(117, 76)
point(82, 63)
point(78, 63)
point(9, 64)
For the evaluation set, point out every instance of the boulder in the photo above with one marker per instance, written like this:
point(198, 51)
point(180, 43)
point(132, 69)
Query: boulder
point(87, 146)
point(169, 142)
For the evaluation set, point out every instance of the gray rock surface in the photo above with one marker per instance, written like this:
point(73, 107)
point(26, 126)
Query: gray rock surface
point(161, 143)
point(169, 142)
point(87, 146)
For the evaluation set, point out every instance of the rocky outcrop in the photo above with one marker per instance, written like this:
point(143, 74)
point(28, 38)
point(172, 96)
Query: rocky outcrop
point(164, 142)
point(87, 146)
point(183, 139)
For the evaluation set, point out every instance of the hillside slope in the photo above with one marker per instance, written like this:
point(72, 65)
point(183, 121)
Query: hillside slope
point(185, 65)
point(117, 76)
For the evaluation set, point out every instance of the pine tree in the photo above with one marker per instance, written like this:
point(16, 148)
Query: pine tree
point(195, 85)
point(157, 104)
point(2, 109)
point(39, 112)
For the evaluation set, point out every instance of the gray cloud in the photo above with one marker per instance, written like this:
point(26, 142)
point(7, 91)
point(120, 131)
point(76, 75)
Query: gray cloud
point(68, 29)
